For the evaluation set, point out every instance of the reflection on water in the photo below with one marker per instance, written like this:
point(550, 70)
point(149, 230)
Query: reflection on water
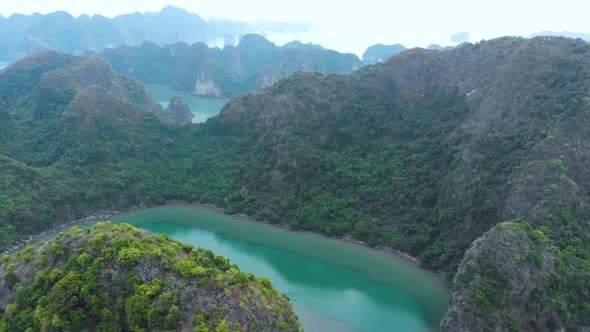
point(334, 286)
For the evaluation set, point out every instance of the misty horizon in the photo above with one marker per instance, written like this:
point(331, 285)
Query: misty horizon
point(352, 29)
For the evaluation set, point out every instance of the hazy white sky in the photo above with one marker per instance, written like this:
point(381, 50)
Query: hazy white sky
point(351, 26)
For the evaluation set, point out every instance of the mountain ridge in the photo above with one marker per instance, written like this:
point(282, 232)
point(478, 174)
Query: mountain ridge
point(209, 71)
point(22, 35)
point(53, 84)
point(429, 153)
point(514, 107)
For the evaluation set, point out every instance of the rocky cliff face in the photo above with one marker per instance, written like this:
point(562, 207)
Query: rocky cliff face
point(180, 111)
point(267, 76)
point(500, 279)
point(480, 134)
point(205, 87)
point(250, 66)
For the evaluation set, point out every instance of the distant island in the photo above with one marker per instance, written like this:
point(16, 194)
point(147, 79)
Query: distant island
point(568, 34)
point(253, 64)
point(379, 52)
point(22, 35)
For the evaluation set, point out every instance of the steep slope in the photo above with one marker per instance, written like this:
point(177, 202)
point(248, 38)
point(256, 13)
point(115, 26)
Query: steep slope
point(5, 121)
point(56, 78)
point(80, 138)
point(119, 278)
point(430, 150)
point(39, 89)
point(500, 283)
point(424, 153)
point(253, 64)
point(179, 111)
point(461, 125)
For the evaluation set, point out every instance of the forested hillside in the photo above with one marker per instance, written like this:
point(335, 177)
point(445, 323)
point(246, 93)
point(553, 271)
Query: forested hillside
point(119, 278)
point(253, 64)
point(70, 125)
point(428, 153)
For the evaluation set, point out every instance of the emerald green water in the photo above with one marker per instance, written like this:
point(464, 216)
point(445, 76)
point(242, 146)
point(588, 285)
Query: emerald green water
point(202, 107)
point(333, 285)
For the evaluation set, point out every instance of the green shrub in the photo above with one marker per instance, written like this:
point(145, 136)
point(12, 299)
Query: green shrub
point(129, 257)
point(187, 268)
point(513, 322)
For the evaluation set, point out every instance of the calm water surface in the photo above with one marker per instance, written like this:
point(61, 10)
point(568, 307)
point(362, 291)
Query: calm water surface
point(203, 107)
point(334, 286)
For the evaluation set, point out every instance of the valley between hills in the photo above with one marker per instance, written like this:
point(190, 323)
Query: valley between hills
point(471, 159)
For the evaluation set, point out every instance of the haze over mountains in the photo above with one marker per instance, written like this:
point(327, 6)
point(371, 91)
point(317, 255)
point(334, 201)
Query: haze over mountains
point(337, 31)
point(473, 159)
point(253, 64)
point(22, 35)
point(568, 34)
point(380, 52)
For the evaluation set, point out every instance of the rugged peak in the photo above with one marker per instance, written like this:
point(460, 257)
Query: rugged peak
point(90, 70)
point(60, 14)
point(60, 91)
point(500, 279)
point(225, 72)
point(299, 44)
point(95, 109)
point(172, 10)
point(42, 60)
point(255, 41)
point(379, 52)
point(179, 111)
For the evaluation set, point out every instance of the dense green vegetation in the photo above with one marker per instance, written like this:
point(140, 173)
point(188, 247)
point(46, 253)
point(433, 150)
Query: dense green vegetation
point(97, 150)
point(548, 285)
point(253, 64)
point(119, 278)
point(423, 153)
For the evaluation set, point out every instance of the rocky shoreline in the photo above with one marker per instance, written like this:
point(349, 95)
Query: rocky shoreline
point(56, 229)
point(104, 215)
point(346, 238)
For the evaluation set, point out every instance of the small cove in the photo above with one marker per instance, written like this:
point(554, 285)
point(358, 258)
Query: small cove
point(202, 107)
point(334, 286)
